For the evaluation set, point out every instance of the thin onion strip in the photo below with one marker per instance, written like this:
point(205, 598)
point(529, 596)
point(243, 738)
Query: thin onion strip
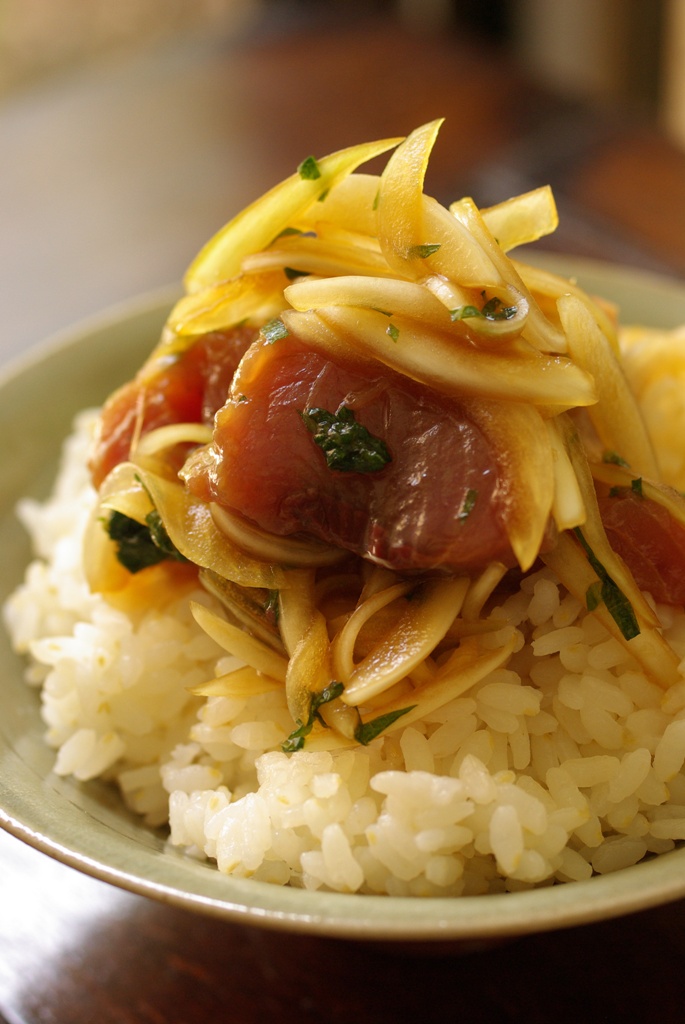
point(240, 643)
point(429, 614)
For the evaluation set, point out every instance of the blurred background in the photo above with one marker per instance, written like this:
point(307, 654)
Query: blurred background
point(132, 130)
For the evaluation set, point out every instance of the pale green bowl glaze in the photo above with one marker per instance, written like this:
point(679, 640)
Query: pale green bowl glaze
point(87, 827)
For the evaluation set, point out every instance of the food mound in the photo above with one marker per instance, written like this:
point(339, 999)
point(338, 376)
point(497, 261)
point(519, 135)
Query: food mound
point(372, 578)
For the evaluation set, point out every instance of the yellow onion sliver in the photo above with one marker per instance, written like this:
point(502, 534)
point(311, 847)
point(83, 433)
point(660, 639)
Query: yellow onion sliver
point(550, 286)
point(173, 433)
point(452, 297)
point(320, 257)
point(539, 330)
point(249, 298)
point(472, 661)
point(441, 361)
point(616, 416)
point(568, 506)
point(239, 643)
point(521, 446)
point(241, 682)
point(344, 643)
point(192, 530)
point(400, 199)
point(268, 547)
point(255, 227)
point(429, 614)
point(350, 204)
point(308, 668)
point(122, 491)
point(296, 607)
point(461, 257)
point(388, 294)
point(481, 589)
point(593, 528)
point(569, 563)
point(522, 219)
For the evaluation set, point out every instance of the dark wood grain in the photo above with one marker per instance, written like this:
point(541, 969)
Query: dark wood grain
point(85, 952)
point(76, 951)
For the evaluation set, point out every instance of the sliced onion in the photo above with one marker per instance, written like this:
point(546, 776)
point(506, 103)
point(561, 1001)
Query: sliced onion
point(521, 446)
point(568, 506)
point(539, 330)
point(472, 661)
point(438, 360)
point(193, 531)
point(318, 256)
point(548, 287)
point(461, 257)
point(481, 589)
point(268, 547)
point(122, 491)
point(346, 640)
point(616, 416)
point(242, 682)
point(162, 438)
point(248, 298)
point(482, 327)
point(309, 668)
point(568, 561)
point(400, 200)
point(297, 606)
point(350, 204)
point(256, 226)
point(593, 528)
point(245, 606)
point(522, 219)
point(429, 614)
point(388, 294)
point(239, 643)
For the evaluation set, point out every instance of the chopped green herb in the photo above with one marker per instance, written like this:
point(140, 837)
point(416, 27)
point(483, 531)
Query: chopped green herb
point(297, 738)
point(636, 486)
point(275, 330)
point(492, 309)
point(614, 459)
point(468, 503)
point(347, 445)
point(140, 545)
point(291, 273)
point(376, 200)
point(393, 331)
point(242, 398)
point(618, 605)
point(593, 595)
point(324, 195)
point(309, 169)
point(287, 232)
point(368, 731)
point(384, 312)
point(422, 252)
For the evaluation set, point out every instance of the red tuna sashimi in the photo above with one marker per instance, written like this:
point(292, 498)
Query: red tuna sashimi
point(435, 505)
point(186, 388)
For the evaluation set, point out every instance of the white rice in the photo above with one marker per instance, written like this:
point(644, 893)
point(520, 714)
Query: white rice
point(566, 763)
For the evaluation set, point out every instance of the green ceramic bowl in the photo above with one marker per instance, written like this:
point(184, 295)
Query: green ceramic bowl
point(87, 827)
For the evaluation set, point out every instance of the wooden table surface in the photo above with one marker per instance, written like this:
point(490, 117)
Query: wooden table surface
point(117, 173)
